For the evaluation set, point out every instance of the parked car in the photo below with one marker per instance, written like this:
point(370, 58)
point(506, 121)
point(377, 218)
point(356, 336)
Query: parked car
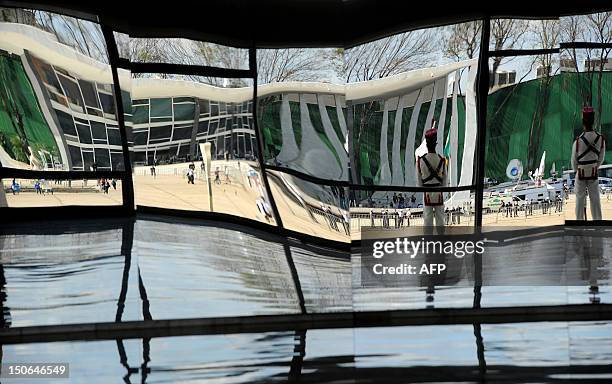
point(605, 185)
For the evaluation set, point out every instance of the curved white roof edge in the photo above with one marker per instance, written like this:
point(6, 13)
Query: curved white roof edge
point(396, 84)
point(15, 38)
point(145, 87)
point(403, 82)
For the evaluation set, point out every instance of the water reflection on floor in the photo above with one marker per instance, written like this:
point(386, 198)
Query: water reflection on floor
point(162, 270)
point(556, 266)
point(522, 352)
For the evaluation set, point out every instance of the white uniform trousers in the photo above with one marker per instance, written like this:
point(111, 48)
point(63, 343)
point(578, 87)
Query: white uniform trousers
point(592, 188)
point(429, 212)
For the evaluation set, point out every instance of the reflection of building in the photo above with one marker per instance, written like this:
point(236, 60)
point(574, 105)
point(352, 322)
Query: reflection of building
point(167, 127)
point(596, 64)
point(304, 128)
point(84, 111)
point(73, 95)
point(501, 78)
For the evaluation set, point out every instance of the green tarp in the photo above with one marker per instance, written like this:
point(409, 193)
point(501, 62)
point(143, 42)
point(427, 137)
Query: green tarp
point(17, 98)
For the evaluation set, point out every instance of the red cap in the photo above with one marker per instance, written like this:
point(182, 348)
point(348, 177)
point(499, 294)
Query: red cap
point(431, 134)
point(588, 116)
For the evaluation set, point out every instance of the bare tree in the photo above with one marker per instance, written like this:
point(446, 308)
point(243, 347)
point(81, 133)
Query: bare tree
point(144, 50)
point(389, 56)
point(506, 34)
point(599, 27)
point(379, 59)
point(546, 34)
point(595, 28)
point(572, 28)
point(84, 36)
point(275, 65)
point(183, 51)
point(463, 40)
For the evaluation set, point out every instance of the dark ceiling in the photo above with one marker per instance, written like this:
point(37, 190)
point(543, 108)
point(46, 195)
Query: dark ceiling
point(298, 23)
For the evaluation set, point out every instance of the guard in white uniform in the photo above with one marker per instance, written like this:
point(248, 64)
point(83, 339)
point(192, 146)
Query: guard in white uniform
point(431, 172)
point(588, 154)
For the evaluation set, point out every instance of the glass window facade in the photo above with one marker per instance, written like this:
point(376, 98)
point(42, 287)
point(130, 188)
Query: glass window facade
point(356, 116)
point(169, 130)
point(66, 108)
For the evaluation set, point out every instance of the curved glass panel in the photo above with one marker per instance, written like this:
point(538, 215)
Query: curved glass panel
point(401, 86)
point(304, 128)
point(58, 105)
point(309, 208)
point(302, 110)
point(194, 146)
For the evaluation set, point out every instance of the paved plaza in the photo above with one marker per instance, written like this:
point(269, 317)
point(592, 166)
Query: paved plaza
point(237, 197)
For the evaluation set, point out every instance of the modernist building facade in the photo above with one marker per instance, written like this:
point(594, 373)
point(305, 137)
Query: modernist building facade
point(73, 94)
point(169, 128)
point(58, 112)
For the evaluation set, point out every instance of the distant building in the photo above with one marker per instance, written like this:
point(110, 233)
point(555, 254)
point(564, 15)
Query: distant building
point(567, 65)
point(501, 78)
point(543, 71)
point(596, 64)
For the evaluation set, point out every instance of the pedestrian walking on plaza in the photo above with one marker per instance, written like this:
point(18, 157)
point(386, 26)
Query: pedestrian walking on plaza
point(190, 176)
point(346, 222)
point(516, 207)
point(227, 175)
point(217, 178)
